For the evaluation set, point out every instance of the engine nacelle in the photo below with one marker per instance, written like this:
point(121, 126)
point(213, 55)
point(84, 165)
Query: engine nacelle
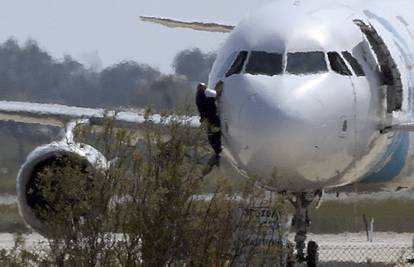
point(28, 192)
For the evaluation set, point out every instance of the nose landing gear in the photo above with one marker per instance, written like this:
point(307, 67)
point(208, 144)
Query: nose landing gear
point(301, 223)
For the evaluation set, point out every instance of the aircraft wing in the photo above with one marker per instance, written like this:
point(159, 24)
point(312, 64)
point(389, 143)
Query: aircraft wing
point(197, 26)
point(60, 115)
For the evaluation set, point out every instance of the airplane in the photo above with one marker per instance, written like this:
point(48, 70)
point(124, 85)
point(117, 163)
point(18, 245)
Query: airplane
point(315, 95)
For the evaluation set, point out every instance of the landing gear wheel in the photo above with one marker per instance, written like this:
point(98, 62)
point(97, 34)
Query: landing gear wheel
point(301, 222)
point(312, 257)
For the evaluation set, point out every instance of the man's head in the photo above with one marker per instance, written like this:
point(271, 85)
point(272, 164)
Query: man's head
point(201, 87)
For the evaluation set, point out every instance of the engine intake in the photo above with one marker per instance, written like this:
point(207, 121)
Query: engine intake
point(33, 205)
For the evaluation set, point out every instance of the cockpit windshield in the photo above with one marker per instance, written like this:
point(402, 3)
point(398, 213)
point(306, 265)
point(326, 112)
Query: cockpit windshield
point(354, 64)
point(238, 64)
point(306, 63)
point(338, 65)
point(298, 63)
point(263, 63)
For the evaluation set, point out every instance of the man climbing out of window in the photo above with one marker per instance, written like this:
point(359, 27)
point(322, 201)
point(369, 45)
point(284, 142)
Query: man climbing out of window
point(206, 105)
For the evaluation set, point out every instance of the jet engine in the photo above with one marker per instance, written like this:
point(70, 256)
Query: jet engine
point(31, 201)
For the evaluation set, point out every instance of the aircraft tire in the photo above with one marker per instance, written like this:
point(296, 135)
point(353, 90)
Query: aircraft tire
point(312, 254)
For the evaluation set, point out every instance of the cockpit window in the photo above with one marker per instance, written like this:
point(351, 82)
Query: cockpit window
point(338, 65)
point(354, 63)
point(238, 64)
point(306, 63)
point(265, 63)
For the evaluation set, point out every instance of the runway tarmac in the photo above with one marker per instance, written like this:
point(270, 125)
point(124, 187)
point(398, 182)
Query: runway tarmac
point(8, 199)
point(32, 240)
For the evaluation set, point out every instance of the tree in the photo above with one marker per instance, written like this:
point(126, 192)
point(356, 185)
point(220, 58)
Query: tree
point(166, 94)
point(120, 82)
point(194, 64)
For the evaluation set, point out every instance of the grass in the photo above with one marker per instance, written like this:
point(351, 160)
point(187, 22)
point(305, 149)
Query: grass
point(8, 185)
point(332, 217)
point(389, 215)
point(394, 215)
point(10, 220)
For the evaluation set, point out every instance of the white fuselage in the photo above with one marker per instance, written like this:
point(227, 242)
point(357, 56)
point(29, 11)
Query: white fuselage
point(298, 114)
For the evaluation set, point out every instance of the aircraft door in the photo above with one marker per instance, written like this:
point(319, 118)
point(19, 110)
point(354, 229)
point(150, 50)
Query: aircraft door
point(379, 93)
point(390, 74)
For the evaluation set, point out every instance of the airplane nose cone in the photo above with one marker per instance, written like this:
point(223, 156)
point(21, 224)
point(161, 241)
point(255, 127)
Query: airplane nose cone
point(292, 132)
point(300, 121)
point(282, 136)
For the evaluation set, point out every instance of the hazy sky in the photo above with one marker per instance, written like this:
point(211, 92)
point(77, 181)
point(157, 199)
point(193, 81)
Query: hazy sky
point(111, 30)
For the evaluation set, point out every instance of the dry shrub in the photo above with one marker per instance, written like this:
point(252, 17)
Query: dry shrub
point(145, 210)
